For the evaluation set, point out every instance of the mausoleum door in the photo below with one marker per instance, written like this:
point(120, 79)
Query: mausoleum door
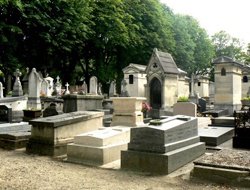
point(155, 93)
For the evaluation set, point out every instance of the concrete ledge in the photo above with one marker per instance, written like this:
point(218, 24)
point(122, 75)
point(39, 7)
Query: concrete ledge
point(161, 163)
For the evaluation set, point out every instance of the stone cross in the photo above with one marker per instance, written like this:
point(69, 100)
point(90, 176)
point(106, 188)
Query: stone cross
point(1, 90)
point(17, 88)
point(67, 88)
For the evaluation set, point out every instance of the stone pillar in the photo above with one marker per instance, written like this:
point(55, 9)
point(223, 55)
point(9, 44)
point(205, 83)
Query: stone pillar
point(1, 90)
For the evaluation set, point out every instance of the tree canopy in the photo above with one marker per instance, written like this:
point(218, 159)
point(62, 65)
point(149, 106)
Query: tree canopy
point(85, 37)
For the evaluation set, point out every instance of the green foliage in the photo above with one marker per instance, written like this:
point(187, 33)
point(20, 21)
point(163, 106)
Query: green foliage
point(183, 99)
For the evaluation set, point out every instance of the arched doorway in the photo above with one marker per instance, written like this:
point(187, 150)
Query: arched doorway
point(155, 93)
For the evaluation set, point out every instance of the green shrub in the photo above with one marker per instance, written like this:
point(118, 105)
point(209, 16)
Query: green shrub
point(183, 99)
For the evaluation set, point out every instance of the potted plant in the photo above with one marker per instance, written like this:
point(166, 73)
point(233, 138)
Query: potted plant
point(245, 101)
point(183, 99)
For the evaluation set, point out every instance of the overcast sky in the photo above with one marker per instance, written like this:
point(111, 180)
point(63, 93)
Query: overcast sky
point(232, 16)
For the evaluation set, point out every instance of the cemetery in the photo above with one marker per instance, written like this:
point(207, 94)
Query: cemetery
point(82, 125)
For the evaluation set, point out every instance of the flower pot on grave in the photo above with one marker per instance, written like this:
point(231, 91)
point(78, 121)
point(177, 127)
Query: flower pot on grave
point(245, 102)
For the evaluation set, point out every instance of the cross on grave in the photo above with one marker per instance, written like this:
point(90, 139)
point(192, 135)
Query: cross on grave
point(17, 74)
point(67, 88)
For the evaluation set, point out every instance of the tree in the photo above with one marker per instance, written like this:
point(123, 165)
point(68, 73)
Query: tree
point(194, 50)
point(227, 45)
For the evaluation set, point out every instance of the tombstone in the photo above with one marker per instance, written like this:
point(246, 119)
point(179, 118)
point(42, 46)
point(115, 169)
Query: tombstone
point(50, 86)
point(17, 89)
point(67, 89)
point(50, 135)
point(93, 85)
point(5, 113)
point(185, 108)
point(202, 105)
point(44, 88)
point(35, 81)
point(163, 146)
point(1, 90)
point(99, 90)
point(99, 147)
point(124, 92)
point(25, 82)
point(51, 110)
point(112, 89)
point(58, 86)
point(84, 88)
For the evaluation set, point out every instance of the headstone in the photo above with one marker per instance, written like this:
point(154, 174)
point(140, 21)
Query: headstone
point(1, 90)
point(185, 108)
point(99, 91)
point(58, 86)
point(84, 88)
point(124, 92)
point(17, 89)
point(163, 146)
point(35, 81)
point(67, 89)
point(93, 85)
point(50, 86)
point(25, 82)
point(5, 113)
point(112, 89)
point(44, 88)
point(202, 105)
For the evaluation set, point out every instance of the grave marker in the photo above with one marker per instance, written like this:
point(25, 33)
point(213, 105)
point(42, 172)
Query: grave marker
point(93, 85)
point(17, 89)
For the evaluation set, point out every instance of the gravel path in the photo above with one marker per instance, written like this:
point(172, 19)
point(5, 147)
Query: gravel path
point(19, 171)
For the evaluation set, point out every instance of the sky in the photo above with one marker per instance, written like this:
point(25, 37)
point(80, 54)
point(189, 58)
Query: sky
point(232, 16)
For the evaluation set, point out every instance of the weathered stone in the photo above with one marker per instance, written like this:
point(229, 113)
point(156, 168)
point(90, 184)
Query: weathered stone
point(50, 135)
point(99, 147)
point(185, 108)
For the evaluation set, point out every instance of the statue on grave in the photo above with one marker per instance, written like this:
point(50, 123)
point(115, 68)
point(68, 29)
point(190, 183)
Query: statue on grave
point(17, 89)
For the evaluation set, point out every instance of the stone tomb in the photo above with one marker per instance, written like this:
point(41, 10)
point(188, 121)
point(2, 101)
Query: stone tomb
point(223, 121)
point(50, 135)
point(214, 136)
point(163, 146)
point(127, 111)
point(99, 147)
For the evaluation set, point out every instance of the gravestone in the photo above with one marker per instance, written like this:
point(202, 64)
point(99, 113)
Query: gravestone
point(17, 88)
point(44, 87)
point(25, 82)
point(35, 81)
point(93, 85)
point(185, 108)
point(124, 92)
point(67, 89)
point(50, 86)
point(163, 146)
point(99, 147)
point(99, 91)
point(84, 88)
point(1, 90)
point(51, 110)
point(112, 89)
point(202, 105)
point(50, 135)
point(5, 113)
point(58, 86)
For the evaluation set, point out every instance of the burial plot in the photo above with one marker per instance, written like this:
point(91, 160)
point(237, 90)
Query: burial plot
point(99, 147)
point(214, 136)
point(14, 135)
point(163, 146)
point(50, 135)
point(228, 166)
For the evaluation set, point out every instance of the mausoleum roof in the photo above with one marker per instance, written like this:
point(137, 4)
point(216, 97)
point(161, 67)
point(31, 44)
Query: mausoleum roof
point(167, 62)
point(138, 67)
point(226, 59)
